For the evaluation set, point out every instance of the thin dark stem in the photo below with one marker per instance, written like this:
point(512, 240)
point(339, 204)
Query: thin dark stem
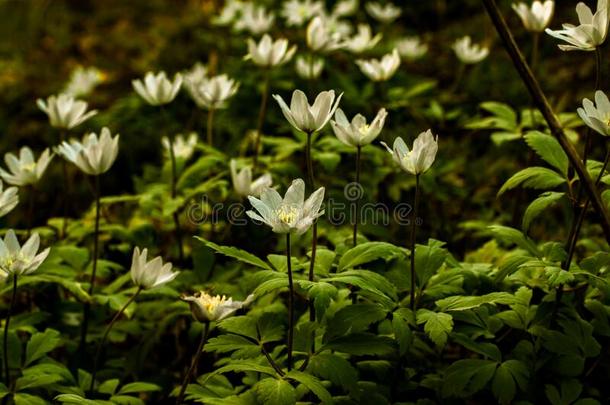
point(174, 180)
point(271, 362)
point(32, 199)
point(6, 326)
point(546, 110)
point(100, 345)
point(355, 236)
point(210, 127)
point(412, 241)
point(196, 357)
point(64, 172)
point(535, 51)
point(314, 240)
point(290, 302)
point(261, 117)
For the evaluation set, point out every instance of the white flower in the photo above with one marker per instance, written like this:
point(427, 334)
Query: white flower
point(17, 260)
point(591, 32)
point(292, 213)
point(363, 40)
point(380, 70)
point(24, 170)
point(183, 148)
point(297, 12)
point(385, 14)
point(469, 53)
point(357, 133)
point(309, 118)
point(195, 74)
point(243, 184)
point(254, 19)
point(208, 308)
point(345, 8)
point(213, 92)
point(65, 111)
point(8, 200)
point(309, 67)
point(411, 48)
point(596, 116)
point(270, 53)
point(157, 89)
point(419, 159)
point(229, 12)
point(83, 81)
point(537, 17)
point(320, 38)
point(150, 274)
point(94, 155)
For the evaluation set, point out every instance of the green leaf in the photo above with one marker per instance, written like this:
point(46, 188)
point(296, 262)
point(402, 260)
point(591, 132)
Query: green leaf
point(428, 260)
point(549, 149)
point(230, 343)
point(501, 110)
point(40, 344)
point(313, 384)
point(275, 392)
point(558, 276)
point(368, 252)
point(467, 377)
point(241, 366)
point(355, 318)
point(361, 344)
point(538, 206)
point(533, 177)
point(27, 399)
point(109, 386)
point(463, 302)
point(437, 325)
point(322, 294)
point(507, 374)
point(34, 381)
point(137, 387)
point(236, 253)
point(78, 400)
point(334, 368)
point(514, 236)
point(402, 333)
point(240, 325)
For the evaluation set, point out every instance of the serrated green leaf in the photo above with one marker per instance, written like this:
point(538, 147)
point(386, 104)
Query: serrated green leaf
point(275, 392)
point(538, 206)
point(464, 302)
point(236, 253)
point(367, 252)
point(539, 178)
point(313, 384)
point(334, 368)
point(437, 325)
point(549, 149)
point(136, 387)
point(40, 344)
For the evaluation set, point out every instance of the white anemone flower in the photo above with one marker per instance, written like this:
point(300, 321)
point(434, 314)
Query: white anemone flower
point(64, 111)
point(420, 158)
point(229, 13)
point(591, 32)
point(8, 199)
point(210, 308)
point(345, 8)
point(292, 213)
point(469, 53)
point(309, 118)
point(380, 70)
point(25, 170)
point(196, 74)
point(242, 181)
point(148, 274)
point(254, 19)
point(309, 67)
point(536, 17)
point(321, 38)
point(214, 92)
point(157, 89)
point(270, 53)
point(183, 146)
point(363, 40)
point(83, 81)
point(298, 12)
point(18, 260)
point(357, 133)
point(93, 155)
point(596, 116)
point(411, 48)
point(385, 14)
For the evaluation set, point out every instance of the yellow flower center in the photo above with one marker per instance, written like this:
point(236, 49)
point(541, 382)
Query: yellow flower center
point(29, 167)
point(210, 303)
point(287, 215)
point(364, 129)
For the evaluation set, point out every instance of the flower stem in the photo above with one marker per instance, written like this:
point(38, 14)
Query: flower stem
point(261, 117)
point(6, 325)
point(194, 362)
point(100, 345)
point(32, 198)
point(64, 172)
point(357, 213)
point(314, 240)
point(412, 242)
point(290, 302)
point(210, 127)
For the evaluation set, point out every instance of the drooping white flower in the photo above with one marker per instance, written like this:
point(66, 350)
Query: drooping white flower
point(183, 147)
point(298, 12)
point(385, 14)
point(292, 213)
point(320, 38)
point(150, 274)
point(214, 92)
point(591, 32)
point(254, 19)
point(269, 53)
point(380, 70)
point(83, 81)
point(363, 40)
point(309, 118)
point(536, 17)
point(309, 67)
point(8, 199)
point(209, 308)
point(157, 89)
point(357, 133)
point(242, 181)
point(596, 116)
point(411, 48)
point(18, 260)
point(420, 158)
point(345, 8)
point(93, 155)
point(25, 170)
point(469, 53)
point(64, 111)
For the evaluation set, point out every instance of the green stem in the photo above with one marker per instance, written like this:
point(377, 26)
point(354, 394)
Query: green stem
point(314, 241)
point(66, 182)
point(194, 362)
point(290, 302)
point(413, 229)
point(100, 345)
point(210, 127)
point(31, 202)
point(6, 326)
point(355, 236)
point(261, 118)
point(173, 184)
